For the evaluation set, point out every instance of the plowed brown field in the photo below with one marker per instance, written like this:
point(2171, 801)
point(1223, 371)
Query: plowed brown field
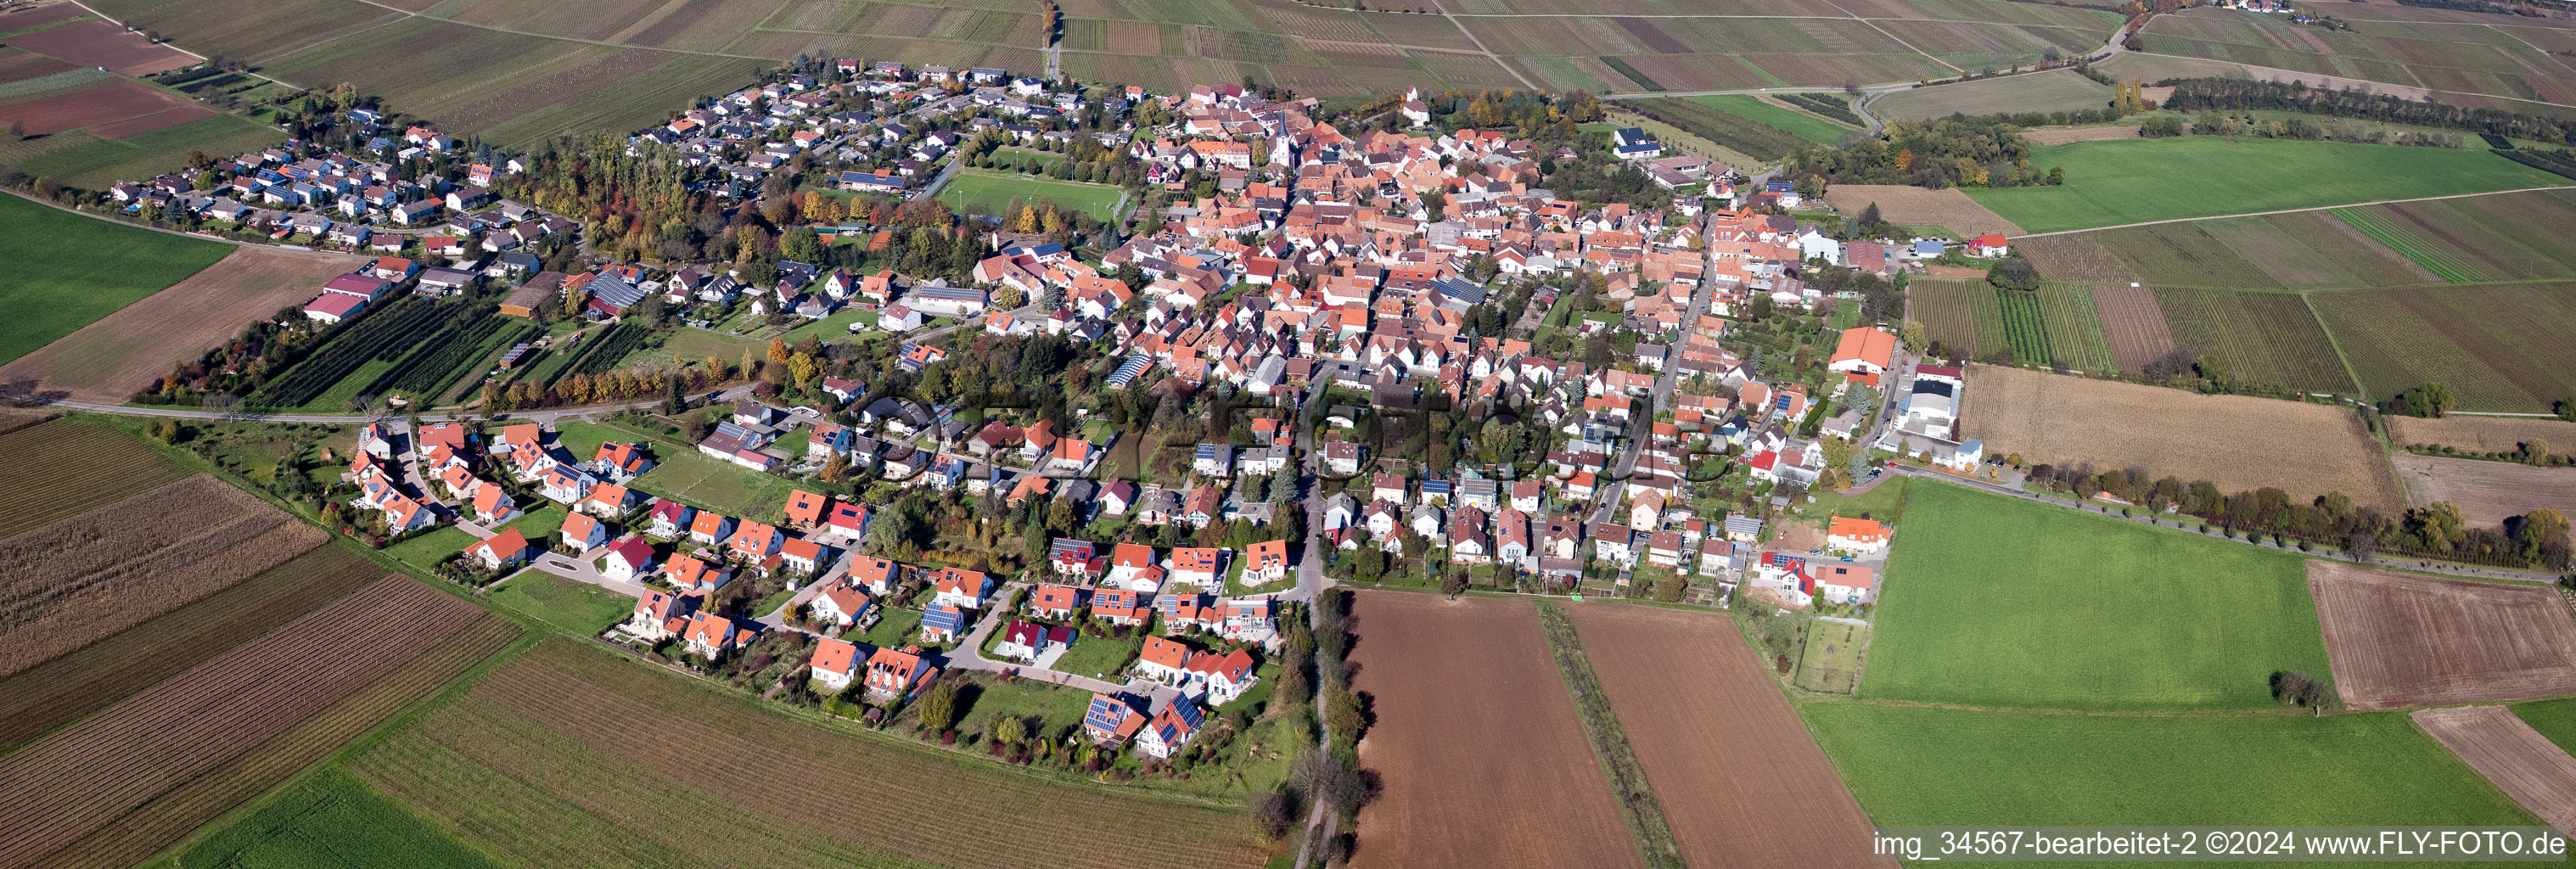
point(60, 788)
point(104, 45)
point(71, 583)
point(1916, 206)
point(114, 101)
point(2501, 746)
point(1483, 760)
point(2482, 433)
point(2399, 640)
point(1684, 684)
point(2238, 442)
point(107, 361)
point(59, 468)
point(2488, 493)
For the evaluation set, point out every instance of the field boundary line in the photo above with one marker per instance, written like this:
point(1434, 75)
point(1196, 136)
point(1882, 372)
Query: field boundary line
point(1898, 39)
point(1652, 829)
point(173, 46)
point(1480, 46)
point(601, 42)
point(2293, 210)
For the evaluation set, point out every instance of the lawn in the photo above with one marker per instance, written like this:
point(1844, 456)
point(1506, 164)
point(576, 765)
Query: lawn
point(1913, 765)
point(681, 472)
point(427, 550)
point(564, 602)
point(2132, 180)
point(1104, 657)
point(997, 191)
point(63, 271)
point(331, 819)
point(1055, 707)
point(1994, 601)
point(896, 628)
point(1832, 661)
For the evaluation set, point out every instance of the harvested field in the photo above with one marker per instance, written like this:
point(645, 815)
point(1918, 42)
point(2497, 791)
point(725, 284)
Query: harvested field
point(2399, 640)
point(76, 581)
point(2063, 135)
point(124, 352)
point(2488, 493)
point(100, 44)
point(62, 690)
point(2522, 763)
point(2483, 434)
point(77, 780)
point(1771, 799)
point(2238, 442)
point(114, 101)
point(1452, 680)
point(59, 468)
point(2052, 91)
point(539, 765)
point(1915, 206)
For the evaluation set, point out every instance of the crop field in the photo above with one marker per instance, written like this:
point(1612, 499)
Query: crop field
point(1741, 123)
point(109, 360)
point(2259, 340)
point(2488, 493)
point(84, 159)
point(61, 468)
point(2480, 433)
point(999, 192)
point(1914, 765)
point(71, 583)
point(2051, 91)
point(2478, 239)
point(2516, 758)
point(110, 109)
point(2300, 251)
point(1440, 671)
point(2452, 58)
point(100, 44)
point(2057, 324)
point(332, 819)
point(538, 765)
point(68, 270)
point(2237, 442)
point(1997, 602)
point(2115, 182)
point(1789, 809)
point(1907, 205)
point(2476, 340)
point(64, 689)
point(73, 783)
point(2132, 324)
point(2399, 640)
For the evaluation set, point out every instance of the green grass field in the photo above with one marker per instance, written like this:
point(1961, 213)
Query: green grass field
point(1913, 765)
point(1998, 602)
point(84, 160)
point(427, 550)
point(1091, 656)
point(2115, 182)
point(566, 603)
point(331, 819)
point(997, 191)
point(60, 271)
point(1832, 660)
point(681, 472)
point(1800, 124)
point(2555, 719)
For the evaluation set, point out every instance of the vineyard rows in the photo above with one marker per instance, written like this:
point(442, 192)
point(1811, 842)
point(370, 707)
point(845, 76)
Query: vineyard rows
point(64, 689)
point(74, 582)
point(605, 351)
point(61, 468)
point(382, 336)
point(428, 371)
point(2404, 241)
point(131, 839)
point(1828, 106)
point(2025, 326)
point(63, 787)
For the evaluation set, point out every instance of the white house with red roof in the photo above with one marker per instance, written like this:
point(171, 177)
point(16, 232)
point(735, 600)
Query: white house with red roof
point(631, 560)
point(506, 549)
point(1222, 678)
point(835, 663)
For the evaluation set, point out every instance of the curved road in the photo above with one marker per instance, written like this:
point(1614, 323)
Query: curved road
point(2337, 555)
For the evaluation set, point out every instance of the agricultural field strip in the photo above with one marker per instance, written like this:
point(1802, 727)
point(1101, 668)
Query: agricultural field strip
point(2398, 640)
point(69, 783)
point(2292, 210)
point(410, 14)
point(1646, 818)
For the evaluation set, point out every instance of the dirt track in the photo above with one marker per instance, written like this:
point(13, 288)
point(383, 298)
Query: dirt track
point(1483, 761)
point(1740, 779)
point(2499, 745)
point(107, 361)
point(2397, 640)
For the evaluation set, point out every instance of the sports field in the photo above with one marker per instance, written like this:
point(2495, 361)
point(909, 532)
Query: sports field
point(2116, 182)
point(1999, 602)
point(1001, 191)
point(1912, 765)
point(63, 270)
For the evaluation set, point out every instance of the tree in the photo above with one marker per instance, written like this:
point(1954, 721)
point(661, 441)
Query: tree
point(1010, 729)
point(2014, 273)
point(1453, 584)
point(836, 468)
point(2566, 409)
point(2294, 688)
point(1915, 335)
point(2429, 399)
point(939, 708)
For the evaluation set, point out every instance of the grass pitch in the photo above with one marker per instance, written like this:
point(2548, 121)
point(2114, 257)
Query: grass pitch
point(1998, 602)
point(2114, 182)
point(998, 191)
point(63, 271)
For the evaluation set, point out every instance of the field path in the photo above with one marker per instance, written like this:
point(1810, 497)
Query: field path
point(2291, 211)
point(411, 14)
point(1480, 46)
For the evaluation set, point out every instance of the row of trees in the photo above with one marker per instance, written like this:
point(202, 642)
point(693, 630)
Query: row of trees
point(2242, 95)
point(2539, 538)
point(1954, 151)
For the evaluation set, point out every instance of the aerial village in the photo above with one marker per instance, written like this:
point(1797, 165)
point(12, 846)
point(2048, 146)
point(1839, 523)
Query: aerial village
point(1343, 293)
